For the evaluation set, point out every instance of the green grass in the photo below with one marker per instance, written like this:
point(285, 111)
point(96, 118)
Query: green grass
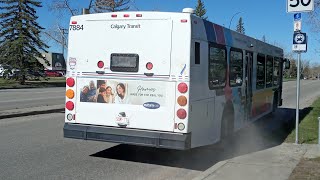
point(289, 79)
point(308, 127)
point(6, 82)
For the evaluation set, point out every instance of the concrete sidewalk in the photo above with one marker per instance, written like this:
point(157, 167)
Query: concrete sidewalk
point(276, 163)
point(31, 111)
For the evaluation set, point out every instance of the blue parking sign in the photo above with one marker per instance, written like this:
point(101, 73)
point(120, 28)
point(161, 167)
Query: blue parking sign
point(297, 16)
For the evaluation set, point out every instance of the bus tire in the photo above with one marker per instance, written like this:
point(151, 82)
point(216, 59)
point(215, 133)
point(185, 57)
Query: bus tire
point(227, 123)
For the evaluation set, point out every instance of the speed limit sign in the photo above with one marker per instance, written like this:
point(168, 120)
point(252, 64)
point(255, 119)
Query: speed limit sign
point(300, 5)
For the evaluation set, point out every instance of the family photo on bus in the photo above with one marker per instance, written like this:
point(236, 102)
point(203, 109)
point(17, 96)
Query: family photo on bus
point(105, 92)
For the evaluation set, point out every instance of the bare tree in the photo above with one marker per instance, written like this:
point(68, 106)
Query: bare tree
point(56, 34)
point(314, 18)
point(314, 21)
point(68, 8)
point(63, 8)
point(305, 68)
point(134, 6)
point(111, 5)
point(292, 72)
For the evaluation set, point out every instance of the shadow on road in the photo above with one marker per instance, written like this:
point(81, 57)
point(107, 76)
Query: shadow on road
point(263, 134)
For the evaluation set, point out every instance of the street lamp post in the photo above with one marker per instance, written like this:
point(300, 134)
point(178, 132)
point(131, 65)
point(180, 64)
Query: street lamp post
point(233, 17)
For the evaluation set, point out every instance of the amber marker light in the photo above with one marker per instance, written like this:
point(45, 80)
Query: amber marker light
point(70, 93)
point(182, 100)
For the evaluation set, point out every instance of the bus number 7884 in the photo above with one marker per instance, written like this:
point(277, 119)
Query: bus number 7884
point(76, 27)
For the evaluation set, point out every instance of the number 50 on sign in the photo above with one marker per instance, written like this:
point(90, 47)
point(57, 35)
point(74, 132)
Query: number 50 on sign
point(300, 5)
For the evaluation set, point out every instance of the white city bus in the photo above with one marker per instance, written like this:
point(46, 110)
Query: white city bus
point(166, 80)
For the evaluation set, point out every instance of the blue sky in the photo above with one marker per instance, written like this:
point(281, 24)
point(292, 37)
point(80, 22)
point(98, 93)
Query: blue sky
point(260, 18)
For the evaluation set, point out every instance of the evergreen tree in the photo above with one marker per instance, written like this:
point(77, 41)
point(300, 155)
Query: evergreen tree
point(200, 10)
point(111, 5)
point(240, 26)
point(264, 38)
point(20, 42)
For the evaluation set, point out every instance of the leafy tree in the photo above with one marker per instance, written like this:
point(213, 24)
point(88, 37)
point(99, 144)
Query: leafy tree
point(240, 26)
point(111, 5)
point(20, 42)
point(200, 10)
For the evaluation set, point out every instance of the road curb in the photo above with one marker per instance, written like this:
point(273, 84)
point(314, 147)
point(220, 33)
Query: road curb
point(29, 87)
point(31, 112)
point(211, 170)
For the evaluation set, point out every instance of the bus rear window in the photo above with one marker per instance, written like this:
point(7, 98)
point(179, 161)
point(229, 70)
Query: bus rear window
point(124, 62)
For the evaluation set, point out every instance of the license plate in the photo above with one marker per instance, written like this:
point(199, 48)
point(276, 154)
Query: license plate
point(122, 121)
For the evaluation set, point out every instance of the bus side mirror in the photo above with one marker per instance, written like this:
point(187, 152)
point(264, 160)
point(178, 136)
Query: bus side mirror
point(287, 64)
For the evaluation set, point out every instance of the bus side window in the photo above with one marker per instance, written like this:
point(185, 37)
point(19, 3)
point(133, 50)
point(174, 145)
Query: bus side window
point(197, 52)
point(217, 66)
point(236, 67)
point(269, 71)
point(276, 71)
point(261, 64)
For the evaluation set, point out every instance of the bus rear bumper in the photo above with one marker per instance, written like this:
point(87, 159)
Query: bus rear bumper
point(128, 136)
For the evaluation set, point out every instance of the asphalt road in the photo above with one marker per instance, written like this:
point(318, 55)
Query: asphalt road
point(33, 147)
point(309, 89)
point(26, 98)
point(35, 97)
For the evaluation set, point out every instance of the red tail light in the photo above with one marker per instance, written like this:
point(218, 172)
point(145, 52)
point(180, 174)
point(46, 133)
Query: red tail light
point(149, 65)
point(74, 22)
point(182, 87)
point(184, 20)
point(138, 15)
point(100, 64)
point(70, 105)
point(70, 82)
point(114, 15)
point(126, 15)
point(182, 114)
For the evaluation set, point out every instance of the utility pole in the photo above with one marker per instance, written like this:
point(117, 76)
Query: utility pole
point(63, 32)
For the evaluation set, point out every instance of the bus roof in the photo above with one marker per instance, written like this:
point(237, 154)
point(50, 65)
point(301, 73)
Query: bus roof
point(213, 32)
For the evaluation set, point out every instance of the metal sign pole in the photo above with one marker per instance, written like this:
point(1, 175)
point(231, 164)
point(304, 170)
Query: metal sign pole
point(298, 96)
point(319, 131)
